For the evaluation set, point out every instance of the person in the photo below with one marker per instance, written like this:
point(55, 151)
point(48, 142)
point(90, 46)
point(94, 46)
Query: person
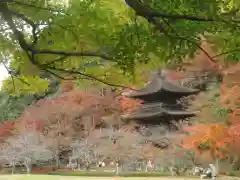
point(197, 171)
point(209, 172)
point(101, 164)
point(206, 174)
point(214, 171)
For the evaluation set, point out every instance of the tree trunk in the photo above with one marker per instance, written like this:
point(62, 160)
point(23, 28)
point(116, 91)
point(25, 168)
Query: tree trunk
point(87, 166)
point(146, 166)
point(13, 169)
point(117, 169)
point(29, 168)
point(146, 169)
point(57, 160)
point(217, 165)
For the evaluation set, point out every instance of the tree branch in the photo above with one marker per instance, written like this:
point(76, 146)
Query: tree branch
point(30, 22)
point(144, 11)
point(87, 76)
point(36, 7)
point(227, 52)
point(5, 66)
point(6, 13)
point(64, 53)
point(177, 36)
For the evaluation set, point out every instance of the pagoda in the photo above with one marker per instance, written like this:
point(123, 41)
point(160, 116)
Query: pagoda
point(161, 102)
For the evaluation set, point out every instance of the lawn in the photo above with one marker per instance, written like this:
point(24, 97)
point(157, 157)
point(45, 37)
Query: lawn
point(48, 177)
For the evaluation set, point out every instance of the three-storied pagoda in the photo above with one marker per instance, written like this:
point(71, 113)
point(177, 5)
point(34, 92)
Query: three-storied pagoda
point(161, 102)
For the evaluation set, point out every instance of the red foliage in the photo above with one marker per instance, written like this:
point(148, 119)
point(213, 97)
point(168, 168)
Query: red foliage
point(60, 113)
point(64, 110)
point(42, 170)
point(129, 105)
point(230, 88)
point(7, 129)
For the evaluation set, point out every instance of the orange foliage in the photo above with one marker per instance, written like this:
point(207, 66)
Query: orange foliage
point(67, 86)
point(221, 138)
point(207, 137)
point(218, 137)
point(234, 116)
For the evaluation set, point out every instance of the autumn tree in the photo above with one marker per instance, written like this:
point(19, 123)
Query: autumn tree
point(10, 154)
point(27, 149)
point(117, 144)
point(73, 114)
point(85, 151)
point(230, 98)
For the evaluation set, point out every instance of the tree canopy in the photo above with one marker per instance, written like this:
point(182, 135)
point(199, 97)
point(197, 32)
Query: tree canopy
point(114, 42)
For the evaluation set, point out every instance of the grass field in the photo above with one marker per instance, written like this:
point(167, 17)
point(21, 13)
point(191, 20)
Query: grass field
point(48, 177)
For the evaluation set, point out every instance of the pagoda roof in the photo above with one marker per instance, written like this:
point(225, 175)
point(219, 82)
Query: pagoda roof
point(157, 110)
point(160, 83)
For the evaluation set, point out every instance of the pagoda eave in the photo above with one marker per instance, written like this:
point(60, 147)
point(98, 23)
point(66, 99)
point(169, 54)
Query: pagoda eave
point(162, 115)
point(160, 85)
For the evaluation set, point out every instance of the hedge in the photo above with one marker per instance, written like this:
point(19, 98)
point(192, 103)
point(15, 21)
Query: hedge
point(106, 174)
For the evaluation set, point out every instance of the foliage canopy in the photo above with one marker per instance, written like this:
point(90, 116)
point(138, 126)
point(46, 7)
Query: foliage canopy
point(104, 39)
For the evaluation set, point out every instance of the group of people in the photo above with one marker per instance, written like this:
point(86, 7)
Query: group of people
point(208, 173)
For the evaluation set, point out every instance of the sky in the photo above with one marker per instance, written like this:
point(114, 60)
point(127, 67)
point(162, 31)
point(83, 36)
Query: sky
point(3, 74)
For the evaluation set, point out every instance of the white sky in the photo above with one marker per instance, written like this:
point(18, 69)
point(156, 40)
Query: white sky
point(3, 74)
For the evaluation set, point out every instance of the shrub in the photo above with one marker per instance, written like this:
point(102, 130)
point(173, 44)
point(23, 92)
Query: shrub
point(41, 170)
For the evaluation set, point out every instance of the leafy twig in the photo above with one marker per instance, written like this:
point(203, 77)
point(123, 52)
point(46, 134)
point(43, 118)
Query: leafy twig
point(36, 7)
point(5, 66)
point(227, 52)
